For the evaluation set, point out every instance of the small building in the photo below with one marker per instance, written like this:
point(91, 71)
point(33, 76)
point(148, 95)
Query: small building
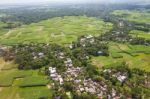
point(41, 55)
point(100, 53)
point(53, 75)
point(89, 36)
point(121, 78)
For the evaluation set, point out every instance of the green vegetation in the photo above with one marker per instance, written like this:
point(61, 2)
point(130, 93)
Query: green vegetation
point(136, 56)
point(15, 92)
point(141, 34)
point(13, 79)
point(56, 30)
point(33, 81)
point(104, 61)
point(35, 93)
point(133, 15)
point(8, 65)
point(139, 49)
point(7, 77)
point(98, 57)
point(2, 28)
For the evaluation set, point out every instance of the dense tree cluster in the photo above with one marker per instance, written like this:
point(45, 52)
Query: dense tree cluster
point(29, 14)
point(34, 56)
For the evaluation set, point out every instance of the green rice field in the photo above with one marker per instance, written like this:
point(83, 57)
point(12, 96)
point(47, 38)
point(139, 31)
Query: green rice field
point(60, 30)
point(133, 15)
point(136, 56)
point(22, 84)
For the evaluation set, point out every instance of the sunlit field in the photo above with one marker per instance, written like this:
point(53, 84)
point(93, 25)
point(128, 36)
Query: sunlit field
point(133, 15)
point(56, 30)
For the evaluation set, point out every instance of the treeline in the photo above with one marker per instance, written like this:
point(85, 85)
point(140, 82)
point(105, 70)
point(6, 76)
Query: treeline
point(32, 14)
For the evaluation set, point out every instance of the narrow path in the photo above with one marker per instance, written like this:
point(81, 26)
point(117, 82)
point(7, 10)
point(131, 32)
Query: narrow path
point(18, 34)
point(7, 34)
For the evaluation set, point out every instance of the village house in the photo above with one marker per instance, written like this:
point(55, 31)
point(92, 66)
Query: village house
point(87, 39)
point(55, 76)
point(68, 62)
point(72, 73)
point(37, 55)
point(71, 46)
point(100, 53)
point(121, 78)
point(61, 55)
point(90, 86)
point(107, 70)
point(113, 92)
point(41, 55)
point(89, 36)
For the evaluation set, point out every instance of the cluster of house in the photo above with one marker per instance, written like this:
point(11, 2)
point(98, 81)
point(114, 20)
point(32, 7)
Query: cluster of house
point(90, 86)
point(76, 76)
point(121, 24)
point(73, 74)
point(87, 39)
point(60, 55)
point(70, 69)
point(55, 76)
point(121, 76)
point(120, 36)
point(37, 55)
point(67, 61)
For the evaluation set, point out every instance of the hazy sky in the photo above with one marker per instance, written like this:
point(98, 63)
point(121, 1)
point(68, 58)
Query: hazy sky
point(66, 1)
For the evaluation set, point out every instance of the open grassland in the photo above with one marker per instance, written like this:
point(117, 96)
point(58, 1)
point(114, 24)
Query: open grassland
point(141, 34)
point(57, 30)
point(22, 84)
point(136, 56)
point(134, 15)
